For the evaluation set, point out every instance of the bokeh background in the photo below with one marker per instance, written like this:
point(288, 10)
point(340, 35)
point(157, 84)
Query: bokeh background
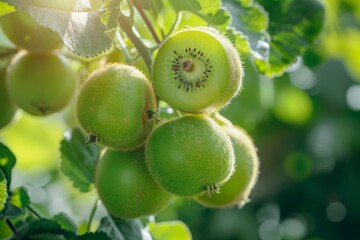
point(305, 124)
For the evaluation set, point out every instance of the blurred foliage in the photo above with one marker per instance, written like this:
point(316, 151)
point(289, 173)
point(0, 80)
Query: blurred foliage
point(305, 123)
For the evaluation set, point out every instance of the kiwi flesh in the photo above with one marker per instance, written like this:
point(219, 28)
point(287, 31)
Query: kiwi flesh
point(197, 70)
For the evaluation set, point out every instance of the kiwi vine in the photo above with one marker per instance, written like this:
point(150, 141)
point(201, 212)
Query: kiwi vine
point(146, 113)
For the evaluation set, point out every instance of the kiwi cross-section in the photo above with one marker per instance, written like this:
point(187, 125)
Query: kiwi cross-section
point(197, 70)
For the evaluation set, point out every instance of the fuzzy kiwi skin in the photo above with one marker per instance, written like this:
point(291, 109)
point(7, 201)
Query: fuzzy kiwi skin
point(126, 187)
point(8, 108)
point(236, 191)
point(189, 155)
point(41, 84)
point(115, 105)
point(215, 99)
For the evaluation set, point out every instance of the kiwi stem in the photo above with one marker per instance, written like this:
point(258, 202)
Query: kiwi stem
point(92, 214)
point(92, 139)
point(147, 22)
point(8, 52)
point(178, 113)
point(124, 48)
point(139, 45)
point(211, 189)
point(33, 211)
point(221, 120)
point(13, 229)
point(177, 22)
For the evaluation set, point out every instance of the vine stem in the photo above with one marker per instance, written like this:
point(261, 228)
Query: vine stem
point(13, 229)
point(92, 214)
point(33, 211)
point(139, 45)
point(147, 22)
point(8, 52)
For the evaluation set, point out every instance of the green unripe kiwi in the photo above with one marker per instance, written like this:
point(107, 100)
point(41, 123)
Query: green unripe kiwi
point(126, 187)
point(8, 107)
point(41, 84)
point(190, 155)
point(115, 107)
point(236, 191)
point(197, 70)
point(26, 33)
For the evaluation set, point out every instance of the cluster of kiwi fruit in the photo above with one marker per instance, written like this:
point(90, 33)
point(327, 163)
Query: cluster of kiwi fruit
point(146, 159)
point(38, 79)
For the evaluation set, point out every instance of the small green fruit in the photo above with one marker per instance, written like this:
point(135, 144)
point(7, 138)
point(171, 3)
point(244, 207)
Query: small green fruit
point(190, 155)
point(26, 33)
point(116, 106)
point(8, 107)
point(236, 191)
point(41, 84)
point(126, 187)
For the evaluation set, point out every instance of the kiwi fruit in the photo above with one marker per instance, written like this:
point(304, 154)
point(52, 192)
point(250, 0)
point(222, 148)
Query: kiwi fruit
point(236, 191)
point(190, 155)
point(125, 186)
point(41, 84)
point(197, 70)
point(116, 107)
point(8, 107)
point(22, 29)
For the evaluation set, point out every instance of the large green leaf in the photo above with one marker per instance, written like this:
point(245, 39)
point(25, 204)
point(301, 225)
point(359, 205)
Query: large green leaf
point(251, 22)
point(294, 25)
point(172, 230)
point(81, 28)
point(3, 191)
point(119, 229)
point(210, 10)
point(5, 8)
point(16, 203)
point(20, 198)
point(45, 229)
point(7, 162)
point(110, 13)
point(79, 160)
point(65, 222)
point(93, 236)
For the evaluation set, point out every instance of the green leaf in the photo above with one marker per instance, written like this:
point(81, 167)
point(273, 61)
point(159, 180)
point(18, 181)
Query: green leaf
point(239, 40)
point(65, 222)
point(11, 211)
point(7, 162)
point(294, 26)
point(3, 191)
point(251, 22)
point(93, 236)
point(48, 236)
point(79, 26)
point(210, 10)
point(79, 160)
point(16, 203)
point(19, 198)
point(5, 8)
point(119, 229)
point(45, 227)
point(110, 13)
point(172, 230)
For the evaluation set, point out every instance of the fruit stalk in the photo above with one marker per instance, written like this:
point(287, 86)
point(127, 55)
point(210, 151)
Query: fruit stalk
point(147, 22)
point(139, 45)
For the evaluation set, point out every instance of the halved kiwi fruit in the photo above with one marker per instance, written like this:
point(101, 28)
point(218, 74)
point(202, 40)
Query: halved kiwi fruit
point(197, 70)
